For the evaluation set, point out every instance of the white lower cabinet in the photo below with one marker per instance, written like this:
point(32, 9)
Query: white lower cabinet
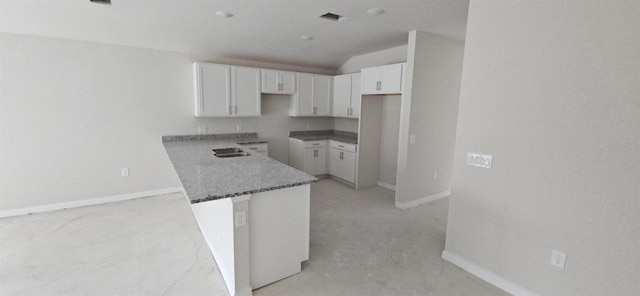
point(262, 148)
point(323, 157)
point(315, 161)
point(308, 156)
point(342, 160)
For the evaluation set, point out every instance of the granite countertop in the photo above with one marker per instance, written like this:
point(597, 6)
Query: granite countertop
point(206, 177)
point(342, 136)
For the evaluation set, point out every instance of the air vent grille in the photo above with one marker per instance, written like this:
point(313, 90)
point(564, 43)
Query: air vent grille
point(332, 16)
point(107, 2)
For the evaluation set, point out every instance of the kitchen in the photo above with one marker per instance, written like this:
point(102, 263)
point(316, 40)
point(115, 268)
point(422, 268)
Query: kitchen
point(84, 109)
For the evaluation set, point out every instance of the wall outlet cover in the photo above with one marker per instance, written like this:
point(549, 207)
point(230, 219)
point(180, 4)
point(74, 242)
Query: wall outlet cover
point(558, 259)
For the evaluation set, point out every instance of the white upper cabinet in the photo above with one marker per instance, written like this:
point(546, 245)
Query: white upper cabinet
point(278, 82)
point(346, 96)
point(245, 91)
point(212, 90)
point(382, 80)
point(313, 95)
point(226, 91)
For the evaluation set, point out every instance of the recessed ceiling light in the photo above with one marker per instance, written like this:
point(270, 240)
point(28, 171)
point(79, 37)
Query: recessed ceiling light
point(375, 11)
point(222, 13)
point(306, 37)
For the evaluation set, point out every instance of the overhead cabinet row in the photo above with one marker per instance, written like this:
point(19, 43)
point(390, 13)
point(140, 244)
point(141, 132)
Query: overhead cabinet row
point(234, 91)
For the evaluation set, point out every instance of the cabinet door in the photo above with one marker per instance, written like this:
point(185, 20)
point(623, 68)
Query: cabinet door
point(356, 96)
point(391, 77)
point(270, 81)
point(315, 161)
point(321, 95)
point(370, 80)
point(303, 105)
point(321, 161)
point(212, 90)
point(245, 91)
point(342, 95)
point(348, 166)
point(287, 82)
point(335, 163)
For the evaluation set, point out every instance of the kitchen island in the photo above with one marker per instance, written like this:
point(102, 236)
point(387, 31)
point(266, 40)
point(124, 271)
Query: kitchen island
point(253, 211)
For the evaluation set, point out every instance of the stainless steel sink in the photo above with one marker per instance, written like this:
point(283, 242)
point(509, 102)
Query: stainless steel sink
point(229, 152)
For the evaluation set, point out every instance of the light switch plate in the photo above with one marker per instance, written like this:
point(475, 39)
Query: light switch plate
point(412, 139)
point(558, 259)
point(480, 160)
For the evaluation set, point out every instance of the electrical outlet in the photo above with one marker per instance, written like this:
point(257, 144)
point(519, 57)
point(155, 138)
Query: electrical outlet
point(412, 139)
point(202, 130)
point(238, 128)
point(124, 172)
point(558, 259)
point(435, 174)
point(308, 126)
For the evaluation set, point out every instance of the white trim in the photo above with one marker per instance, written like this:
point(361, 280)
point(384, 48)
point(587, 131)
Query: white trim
point(241, 198)
point(386, 185)
point(87, 202)
point(423, 200)
point(486, 275)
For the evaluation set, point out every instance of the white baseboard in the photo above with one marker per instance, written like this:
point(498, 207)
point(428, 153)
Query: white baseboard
point(423, 200)
point(486, 275)
point(386, 185)
point(87, 202)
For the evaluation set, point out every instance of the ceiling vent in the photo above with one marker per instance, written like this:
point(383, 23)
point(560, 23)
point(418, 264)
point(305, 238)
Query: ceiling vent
point(332, 16)
point(107, 2)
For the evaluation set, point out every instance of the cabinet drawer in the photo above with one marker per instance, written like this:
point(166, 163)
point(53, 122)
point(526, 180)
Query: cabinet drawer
point(312, 144)
point(343, 146)
point(262, 148)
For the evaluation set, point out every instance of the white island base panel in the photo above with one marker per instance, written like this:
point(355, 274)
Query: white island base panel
point(259, 238)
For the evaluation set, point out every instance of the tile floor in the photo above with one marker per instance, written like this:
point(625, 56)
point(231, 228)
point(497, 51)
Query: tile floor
point(360, 245)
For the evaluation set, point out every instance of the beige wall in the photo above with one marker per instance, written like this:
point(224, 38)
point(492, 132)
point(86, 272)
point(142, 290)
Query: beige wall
point(72, 114)
point(428, 111)
point(389, 126)
point(551, 89)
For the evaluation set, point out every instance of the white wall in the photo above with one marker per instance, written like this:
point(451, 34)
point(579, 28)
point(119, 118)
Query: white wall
point(388, 56)
point(390, 126)
point(346, 124)
point(73, 113)
point(428, 111)
point(551, 89)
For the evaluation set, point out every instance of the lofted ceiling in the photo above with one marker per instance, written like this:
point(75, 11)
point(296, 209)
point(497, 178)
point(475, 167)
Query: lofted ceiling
point(263, 30)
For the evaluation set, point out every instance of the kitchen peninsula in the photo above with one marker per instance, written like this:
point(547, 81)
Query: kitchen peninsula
point(253, 211)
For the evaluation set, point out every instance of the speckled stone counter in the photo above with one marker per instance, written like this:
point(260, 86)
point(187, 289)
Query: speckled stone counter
point(347, 137)
point(206, 177)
